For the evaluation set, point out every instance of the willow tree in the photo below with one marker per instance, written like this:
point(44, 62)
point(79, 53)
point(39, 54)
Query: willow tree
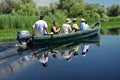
point(25, 7)
point(72, 8)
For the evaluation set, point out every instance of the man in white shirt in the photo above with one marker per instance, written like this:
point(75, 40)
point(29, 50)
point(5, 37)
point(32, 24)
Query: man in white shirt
point(83, 25)
point(40, 26)
point(66, 28)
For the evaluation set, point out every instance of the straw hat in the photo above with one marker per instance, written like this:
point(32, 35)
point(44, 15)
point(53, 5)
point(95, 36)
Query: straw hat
point(68, 20)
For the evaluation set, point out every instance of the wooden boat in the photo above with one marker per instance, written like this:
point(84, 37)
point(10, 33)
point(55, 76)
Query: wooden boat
point(35, 42)
point(95, 39)
point(49, 40)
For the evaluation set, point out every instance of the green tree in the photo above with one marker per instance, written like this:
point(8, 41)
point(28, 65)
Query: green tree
point(21, 7)
point(72, 8)
point(25, 7)
point(114, 10)
point(77, 10)
point(96, 11)
point(66, 4)
point(6, 6)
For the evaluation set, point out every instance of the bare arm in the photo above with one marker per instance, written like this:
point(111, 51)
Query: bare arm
point(47, 30)
point(33, 33)
point(55, 30)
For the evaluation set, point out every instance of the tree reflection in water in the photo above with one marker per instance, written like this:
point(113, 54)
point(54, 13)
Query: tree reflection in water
point(111, 31)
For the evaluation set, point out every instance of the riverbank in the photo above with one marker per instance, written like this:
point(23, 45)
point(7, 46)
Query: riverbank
point(9, 34)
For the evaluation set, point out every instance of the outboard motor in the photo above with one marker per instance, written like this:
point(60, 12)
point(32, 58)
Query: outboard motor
point(24, 38)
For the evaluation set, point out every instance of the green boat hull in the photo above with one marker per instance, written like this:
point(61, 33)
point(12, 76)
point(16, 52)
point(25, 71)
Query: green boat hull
point(95, 39)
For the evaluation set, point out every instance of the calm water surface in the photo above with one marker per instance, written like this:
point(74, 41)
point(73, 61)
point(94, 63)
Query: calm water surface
point(100, 63)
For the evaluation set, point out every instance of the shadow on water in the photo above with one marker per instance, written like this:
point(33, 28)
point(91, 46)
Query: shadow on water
point(111, 31)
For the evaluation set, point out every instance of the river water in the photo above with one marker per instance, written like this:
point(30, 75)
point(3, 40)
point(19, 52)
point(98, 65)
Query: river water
point(101, 62)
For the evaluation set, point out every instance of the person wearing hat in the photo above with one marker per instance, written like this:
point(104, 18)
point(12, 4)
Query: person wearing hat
point(75, 26)
point(40, 27)
point(66, 28)
point(83, 25)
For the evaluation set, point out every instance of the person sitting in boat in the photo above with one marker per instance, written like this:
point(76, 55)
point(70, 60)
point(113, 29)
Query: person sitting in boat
point(54, 30)
point(74, 26)
point(66, 28)
point(40, 26)
point(83, 25)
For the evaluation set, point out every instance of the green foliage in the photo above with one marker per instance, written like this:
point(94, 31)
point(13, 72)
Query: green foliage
point(58, 16)
point(24, 7)
point(77, 10)
point(23, 13)
point(114, 10)
point(72, 8)
point(96, 11)
point(6, 6)
point(21, 7)
point(16, 22)
point(8, 34)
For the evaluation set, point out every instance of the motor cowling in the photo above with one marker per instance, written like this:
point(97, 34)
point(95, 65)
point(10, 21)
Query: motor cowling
point(23, 36)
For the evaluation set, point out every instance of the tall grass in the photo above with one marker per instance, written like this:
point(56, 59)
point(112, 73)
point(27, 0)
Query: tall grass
point(26, 22)
point(8, 34)
point(10, 25)
point(16, 22)
point(113, 22)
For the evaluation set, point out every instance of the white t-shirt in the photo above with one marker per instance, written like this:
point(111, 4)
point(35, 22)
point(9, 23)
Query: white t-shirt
point(66, 29)
point(84, 26)
point(40, 26)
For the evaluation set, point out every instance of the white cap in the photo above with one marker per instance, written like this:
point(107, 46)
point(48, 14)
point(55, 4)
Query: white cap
point(82, 19)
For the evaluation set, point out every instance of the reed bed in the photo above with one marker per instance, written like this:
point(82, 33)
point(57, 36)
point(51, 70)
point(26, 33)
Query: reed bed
point(10, 25)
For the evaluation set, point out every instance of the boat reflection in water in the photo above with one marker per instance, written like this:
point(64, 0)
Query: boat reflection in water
point(66, 51)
